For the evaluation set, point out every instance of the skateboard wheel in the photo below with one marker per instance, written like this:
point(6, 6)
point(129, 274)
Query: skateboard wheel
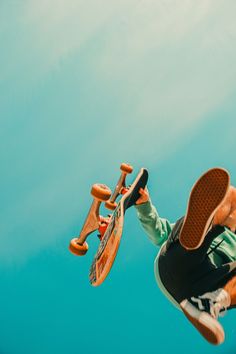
point(101, 192)
point(110, 205)
point(126, 168)
point(78, 249)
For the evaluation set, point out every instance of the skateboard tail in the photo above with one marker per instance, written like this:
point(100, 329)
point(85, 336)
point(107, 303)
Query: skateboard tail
point(140, 182)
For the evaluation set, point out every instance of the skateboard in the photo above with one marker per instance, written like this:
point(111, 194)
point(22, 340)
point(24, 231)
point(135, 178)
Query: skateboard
point(111, 227)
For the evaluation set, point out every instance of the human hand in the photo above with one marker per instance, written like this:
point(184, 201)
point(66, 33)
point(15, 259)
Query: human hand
point(144, 196)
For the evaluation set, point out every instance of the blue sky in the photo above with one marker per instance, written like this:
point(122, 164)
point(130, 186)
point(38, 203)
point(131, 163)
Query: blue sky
point(86, 85)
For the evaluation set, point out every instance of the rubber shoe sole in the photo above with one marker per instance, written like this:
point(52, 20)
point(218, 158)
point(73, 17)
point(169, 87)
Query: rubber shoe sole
point(207, 325)
point(205, 198)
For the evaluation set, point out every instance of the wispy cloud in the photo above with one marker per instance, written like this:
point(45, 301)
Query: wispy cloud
point(154, 72)
point(173, 62)
point(45, 33)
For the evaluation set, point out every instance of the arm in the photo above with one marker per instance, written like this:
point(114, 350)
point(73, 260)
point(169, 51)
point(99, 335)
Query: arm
point(156, 228)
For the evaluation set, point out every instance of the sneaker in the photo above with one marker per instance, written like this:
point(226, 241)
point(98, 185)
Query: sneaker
point(205, 198)
point(203, 311)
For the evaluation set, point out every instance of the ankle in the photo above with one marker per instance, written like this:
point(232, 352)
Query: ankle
point(230, 289)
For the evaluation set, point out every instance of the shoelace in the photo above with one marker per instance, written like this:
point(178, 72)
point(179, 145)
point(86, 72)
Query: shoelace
point(219, 302)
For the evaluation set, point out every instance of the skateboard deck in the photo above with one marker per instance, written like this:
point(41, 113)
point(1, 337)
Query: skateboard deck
point(110, 242)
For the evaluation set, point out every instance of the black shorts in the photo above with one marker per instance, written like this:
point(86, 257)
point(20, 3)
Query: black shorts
point(191, 273)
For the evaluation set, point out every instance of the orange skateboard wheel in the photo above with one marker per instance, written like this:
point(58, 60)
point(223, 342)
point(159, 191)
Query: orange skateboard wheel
point(78, 249)
point(125, 167)
point(101, 192)
point(110, 205)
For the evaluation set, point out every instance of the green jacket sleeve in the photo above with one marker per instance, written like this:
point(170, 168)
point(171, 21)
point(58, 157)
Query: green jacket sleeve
point(156, 228)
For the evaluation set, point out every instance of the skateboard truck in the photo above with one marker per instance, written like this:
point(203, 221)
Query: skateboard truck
point(94, 221)
point(120, 187)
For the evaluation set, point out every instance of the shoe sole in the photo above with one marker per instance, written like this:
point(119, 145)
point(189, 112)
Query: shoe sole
point(208, 326)
point(205, 198)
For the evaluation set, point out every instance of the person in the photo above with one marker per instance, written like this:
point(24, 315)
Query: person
point(197, 260)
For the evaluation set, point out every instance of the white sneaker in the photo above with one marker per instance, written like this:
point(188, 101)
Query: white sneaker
point(203, 311)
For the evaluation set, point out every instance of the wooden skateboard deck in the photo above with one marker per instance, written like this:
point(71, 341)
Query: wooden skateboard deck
point(110, 242)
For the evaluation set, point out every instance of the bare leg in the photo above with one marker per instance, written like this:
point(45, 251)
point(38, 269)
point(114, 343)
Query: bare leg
point(230, 287)
point(226, 214)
